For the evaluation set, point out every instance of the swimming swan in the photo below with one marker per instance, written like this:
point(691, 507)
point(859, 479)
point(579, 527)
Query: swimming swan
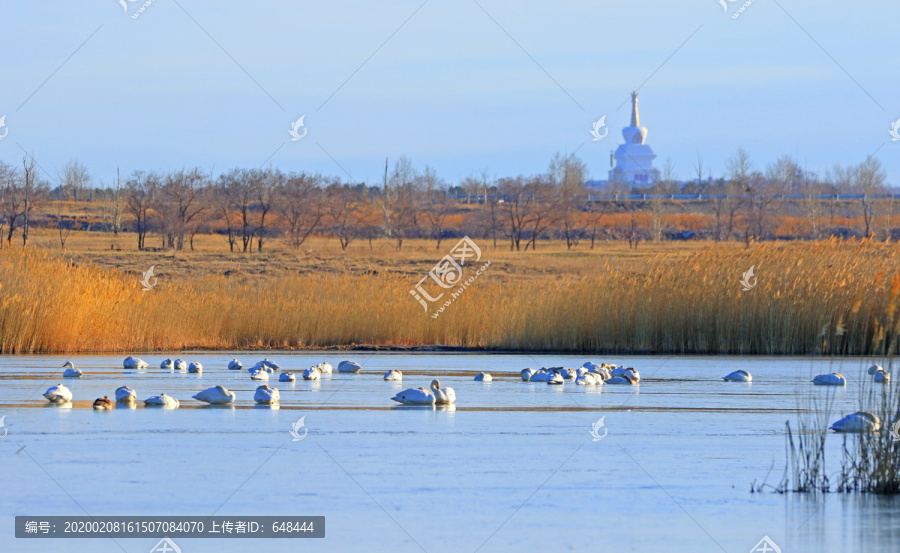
point(73, 373)
point(266, 395)
point(738, 376)
point(215, 395)
point(58, 394)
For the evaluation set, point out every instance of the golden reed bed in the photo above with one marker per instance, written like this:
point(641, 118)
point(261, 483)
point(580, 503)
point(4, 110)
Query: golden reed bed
point(828, 297)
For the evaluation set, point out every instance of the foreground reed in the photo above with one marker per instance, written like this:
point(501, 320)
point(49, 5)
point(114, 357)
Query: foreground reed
point(829, 297)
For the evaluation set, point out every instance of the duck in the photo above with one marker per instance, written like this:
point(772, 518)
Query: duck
point(266, 395)
point(259, 374)
point(442, 396)
point(739, 375)
point(624, 379)
point(861, 421)
point(103, 403)
point(167, 364)
point(483, 377)
point(393, 375)
point(833, 379)
point(161, 400)
point(324, 368)
point(312, 373)
point(180, 365)
point(348, 367)
point(134, 363)
point(72, 373)
point(415, 396)
point(882, 377)
point(875, 368)
point(195, 367)
point(287, 377)
point(125, 394)
point(527, 374)
point(234, 365)
point(58, 394)
point(555, 377)
point(215, 395)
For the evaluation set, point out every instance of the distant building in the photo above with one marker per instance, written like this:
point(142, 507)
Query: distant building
point(633, 161)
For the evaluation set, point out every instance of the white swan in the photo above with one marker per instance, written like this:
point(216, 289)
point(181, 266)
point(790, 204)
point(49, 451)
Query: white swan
point(195, 367)
point(555, 377)
point(527, 374)
point(617, 371)
point(633, 373)
point(542, 375)
point(442, 396)
point(234, 365)
point(861, 421)
point(312, 373)
point(483, 377)
point(569, 374)
point(215, 395)
point(393, 375)
point(58, 394)
point(73, 373)
point(601, 373)
point(415, 396)
point(624, 379)
point(259, 374)
point(161, 400)
point(587, 379)
point(883, 377)
point(875, 368)
point(266, 395)
point(180, 365)
point(739, 375)
point(125, 394)
point(287, 377)
point(324, 368)
point(167, 364)
point(271, 364)
point(103, 403)
point(348, 367)
point(134, 363)
point(833, 379)
point(588, 365)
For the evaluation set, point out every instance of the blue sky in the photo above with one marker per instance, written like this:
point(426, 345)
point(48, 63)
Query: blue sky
point(450, 88)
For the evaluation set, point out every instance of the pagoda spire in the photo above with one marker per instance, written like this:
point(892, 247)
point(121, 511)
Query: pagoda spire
point(635, 118)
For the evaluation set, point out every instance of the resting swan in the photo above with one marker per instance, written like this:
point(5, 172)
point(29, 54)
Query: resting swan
point(555, 377)
point(215, 395)
point(58, 394)
point(324, 368)
point(161, 400)
point(266, 395)
point(527, 374)
point(195, 367)
point(125, 394)
point(134, 363)
point(312, 373)
point(259, 374)
point(483, 377)
point(349, 367)
point(861, 421)
point(739, 375)
point(234, 365)
point(624, 379)
point(393, 375)
point(882, 377)
point(167, 364)
point(180, 365)
point(833, 379)
point(415, 396)
point(287, 377)
point(72, 373)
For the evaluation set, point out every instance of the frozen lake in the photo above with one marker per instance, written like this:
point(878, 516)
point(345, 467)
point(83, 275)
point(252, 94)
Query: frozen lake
point(512, 467)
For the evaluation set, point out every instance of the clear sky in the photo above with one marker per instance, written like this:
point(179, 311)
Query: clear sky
point(459, 85)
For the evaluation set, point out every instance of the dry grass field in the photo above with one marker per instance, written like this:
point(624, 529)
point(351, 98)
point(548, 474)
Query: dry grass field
point(827, 297)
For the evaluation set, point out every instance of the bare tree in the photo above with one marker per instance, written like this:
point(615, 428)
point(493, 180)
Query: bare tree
point(869, 182)
point(436, 205)
point(140, 197)
point(342, 206)
point(33, 191)
point(74, 178)
point(11, 198)
point(299, 201)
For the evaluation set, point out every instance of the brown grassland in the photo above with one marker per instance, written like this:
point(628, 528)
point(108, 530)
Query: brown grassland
point(827, 297)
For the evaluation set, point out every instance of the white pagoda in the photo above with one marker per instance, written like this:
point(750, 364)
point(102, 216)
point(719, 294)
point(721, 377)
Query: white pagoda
point(633, 161)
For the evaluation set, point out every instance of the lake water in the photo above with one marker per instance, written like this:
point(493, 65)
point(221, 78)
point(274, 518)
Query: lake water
point(512, 467)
